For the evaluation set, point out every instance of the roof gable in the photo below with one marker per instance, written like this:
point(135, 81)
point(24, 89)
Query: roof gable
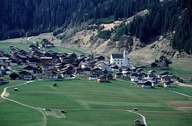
point(117, 56)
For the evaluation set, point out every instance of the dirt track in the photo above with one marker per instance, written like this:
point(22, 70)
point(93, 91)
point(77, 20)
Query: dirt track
point(4, 96)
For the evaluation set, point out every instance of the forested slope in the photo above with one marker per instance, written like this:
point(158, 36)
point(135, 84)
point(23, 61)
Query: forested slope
point(30, 17)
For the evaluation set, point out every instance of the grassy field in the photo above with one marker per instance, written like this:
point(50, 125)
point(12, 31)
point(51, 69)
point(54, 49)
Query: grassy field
point(182, 68)
point(88, 103)
point(5, 46)
point(23, 43)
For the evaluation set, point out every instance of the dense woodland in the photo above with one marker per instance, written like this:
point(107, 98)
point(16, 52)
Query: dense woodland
point(30, 17)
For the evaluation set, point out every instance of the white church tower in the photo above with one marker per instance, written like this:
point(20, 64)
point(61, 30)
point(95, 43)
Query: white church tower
point(125, 59)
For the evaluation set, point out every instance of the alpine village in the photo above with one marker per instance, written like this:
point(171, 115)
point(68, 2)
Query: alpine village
point(95, 62)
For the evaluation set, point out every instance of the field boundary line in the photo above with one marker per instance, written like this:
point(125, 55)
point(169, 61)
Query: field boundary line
point(179, 93)
point(183, 84)
point(142, 116)
point(22, 104)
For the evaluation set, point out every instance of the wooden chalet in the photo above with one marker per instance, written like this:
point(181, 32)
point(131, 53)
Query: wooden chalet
point(47, 44)
point(26, 75)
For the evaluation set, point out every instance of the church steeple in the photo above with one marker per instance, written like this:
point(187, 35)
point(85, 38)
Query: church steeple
point(125, 54)
point(125, 58)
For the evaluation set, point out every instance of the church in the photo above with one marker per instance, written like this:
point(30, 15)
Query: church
point(121, 60)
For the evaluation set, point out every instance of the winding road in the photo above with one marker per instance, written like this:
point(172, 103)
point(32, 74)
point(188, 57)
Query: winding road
point(142, 116)
point(3, 96)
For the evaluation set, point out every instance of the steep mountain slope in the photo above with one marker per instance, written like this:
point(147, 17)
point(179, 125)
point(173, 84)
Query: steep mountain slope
point(31, 17)
point(87, 36)
point(26, 17)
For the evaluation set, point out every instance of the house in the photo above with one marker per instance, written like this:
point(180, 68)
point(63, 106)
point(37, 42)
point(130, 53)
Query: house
point(110, 76)
point(96, 71)
point(46, 61)
point(121, 60)
point(141, 82)
point(147, 84)
point(20, 56)
point(152, 77)
point(25, 75)
point(4, 61)
point(47, 68)
point(102, 79)
point(2, 70)
point(134, 77)
point(33, 68)
point(92, 77)
point(126, 72)
point(67, 75)
point(103, 65)
point(34, 47)
point(47, 44)
point(83, 72)
point(84, 65)
point(118, 75)
point(33, 59)
point(2, 53)
point(68, 72)
point(2, 82)
point(13, 49)
point(100, 58)
point(114, 68)
point(54, 75)
point(166, 80)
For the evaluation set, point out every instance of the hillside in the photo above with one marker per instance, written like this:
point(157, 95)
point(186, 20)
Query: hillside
point(93, 37)
point(26, 18)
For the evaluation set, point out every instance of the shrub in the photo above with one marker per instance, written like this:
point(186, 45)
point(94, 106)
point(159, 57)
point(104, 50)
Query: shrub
point(105, 34)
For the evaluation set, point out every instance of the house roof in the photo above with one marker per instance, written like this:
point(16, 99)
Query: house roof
point(4, 58)
point(117, 56)
point(25, 73)
point(46, 58)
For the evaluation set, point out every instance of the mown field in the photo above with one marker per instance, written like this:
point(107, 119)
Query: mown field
point(88, 103)
point(183, 68)
point(23, 43)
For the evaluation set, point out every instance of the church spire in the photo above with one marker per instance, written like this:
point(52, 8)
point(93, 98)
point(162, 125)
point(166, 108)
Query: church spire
point(125, 58)
point(125, 54)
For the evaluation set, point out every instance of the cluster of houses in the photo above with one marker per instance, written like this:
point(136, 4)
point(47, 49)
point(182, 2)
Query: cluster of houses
point(40, 64)
point(146, 79)
point(149, 79)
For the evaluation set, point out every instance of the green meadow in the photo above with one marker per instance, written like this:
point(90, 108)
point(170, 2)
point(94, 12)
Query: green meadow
point(88, 103)
point(183, 68)
point(24, 44)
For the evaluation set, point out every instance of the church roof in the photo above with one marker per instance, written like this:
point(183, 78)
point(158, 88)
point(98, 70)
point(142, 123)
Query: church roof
point(117, 56)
